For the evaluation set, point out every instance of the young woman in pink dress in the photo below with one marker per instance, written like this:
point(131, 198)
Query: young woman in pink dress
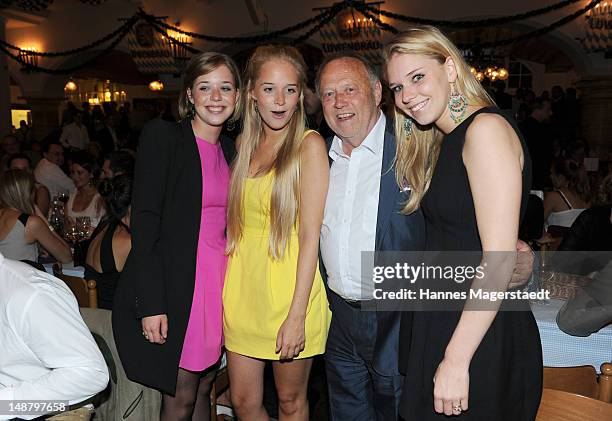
point(167, 314)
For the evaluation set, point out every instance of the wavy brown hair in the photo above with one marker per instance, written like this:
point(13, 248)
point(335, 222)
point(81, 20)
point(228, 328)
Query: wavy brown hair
point(285, 200)
point(417, 154)
point(574, 177)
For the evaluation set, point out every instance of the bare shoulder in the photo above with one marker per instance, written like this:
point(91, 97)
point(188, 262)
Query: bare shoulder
point(487, 124)
point(122, 242)
point(552, 197)
point(35, 223)
point(313, 143)
point(491, 130)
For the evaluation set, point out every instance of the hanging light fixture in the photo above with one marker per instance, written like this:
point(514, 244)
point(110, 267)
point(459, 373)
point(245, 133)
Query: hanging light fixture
point(484, 63)
point(71, 86)
point(477, 74)
point(492, 73)
point(156, 86)
point(27, 57)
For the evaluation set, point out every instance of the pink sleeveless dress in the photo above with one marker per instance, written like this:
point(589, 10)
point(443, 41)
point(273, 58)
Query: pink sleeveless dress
point(204, 336)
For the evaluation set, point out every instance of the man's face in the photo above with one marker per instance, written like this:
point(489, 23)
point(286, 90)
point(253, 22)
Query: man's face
point(55, 155)
point(107, 173)
point(10, 145)
point(350, 105)
point(544, 113)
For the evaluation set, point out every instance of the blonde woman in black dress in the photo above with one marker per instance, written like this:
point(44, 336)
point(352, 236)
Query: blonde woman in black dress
point(469, 171)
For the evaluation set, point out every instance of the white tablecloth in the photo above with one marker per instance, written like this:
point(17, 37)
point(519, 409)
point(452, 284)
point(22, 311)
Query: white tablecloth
point(68, 269)
point(562, 350)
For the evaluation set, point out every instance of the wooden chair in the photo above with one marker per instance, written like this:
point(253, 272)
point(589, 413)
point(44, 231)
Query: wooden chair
point(221, 383)
point(84, 291)
point(605, 383)
point(557, 405)
point(581, 380)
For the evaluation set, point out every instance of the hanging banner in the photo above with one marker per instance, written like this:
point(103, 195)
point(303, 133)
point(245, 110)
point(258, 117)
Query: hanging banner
point(352, 31)
point(598, 29)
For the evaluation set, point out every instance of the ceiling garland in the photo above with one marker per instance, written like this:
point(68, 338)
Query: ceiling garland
point(315, 24)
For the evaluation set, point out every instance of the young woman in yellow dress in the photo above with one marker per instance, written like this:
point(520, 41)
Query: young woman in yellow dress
point(275, 306)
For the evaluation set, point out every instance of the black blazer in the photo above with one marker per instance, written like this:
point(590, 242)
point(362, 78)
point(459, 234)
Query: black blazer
point(394, 232)
point(159, 274)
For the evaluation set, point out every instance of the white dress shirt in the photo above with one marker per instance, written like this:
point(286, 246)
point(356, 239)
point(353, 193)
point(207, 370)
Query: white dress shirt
point(351, 210)
point(74, 136)
point(53, 178)
point(46, 350)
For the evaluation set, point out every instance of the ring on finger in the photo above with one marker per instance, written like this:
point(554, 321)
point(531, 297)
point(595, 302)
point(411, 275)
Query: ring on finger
point(457, 408)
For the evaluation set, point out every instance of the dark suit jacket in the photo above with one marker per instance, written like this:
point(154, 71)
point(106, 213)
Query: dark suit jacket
point(394, 232)
point(159, 274)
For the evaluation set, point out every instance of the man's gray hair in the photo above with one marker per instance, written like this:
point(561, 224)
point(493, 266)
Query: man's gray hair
point(373, 74)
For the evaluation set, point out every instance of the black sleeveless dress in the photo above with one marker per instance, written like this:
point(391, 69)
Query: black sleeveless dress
point(506, 370)
point(106, 282)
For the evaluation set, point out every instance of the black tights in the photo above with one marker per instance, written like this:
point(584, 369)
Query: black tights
point(192, 399)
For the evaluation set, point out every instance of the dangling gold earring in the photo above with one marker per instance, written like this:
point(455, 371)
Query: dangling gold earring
point(457, 105)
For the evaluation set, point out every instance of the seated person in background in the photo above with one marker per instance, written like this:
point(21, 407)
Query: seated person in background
point(46, 350)
point(570, 197)
point(49, 173)
point(20, 161)
point(591, 232)
point(8, 146)
point(591, 309)
point(95, 150)
point(116, 163)
point(85, 201)
point(111, 242)
point(22, 226)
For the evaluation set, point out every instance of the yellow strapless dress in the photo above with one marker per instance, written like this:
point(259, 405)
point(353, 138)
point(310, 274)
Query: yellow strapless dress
point(258, 289)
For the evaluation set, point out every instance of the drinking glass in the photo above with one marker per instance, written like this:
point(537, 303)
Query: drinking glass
point(83, 226)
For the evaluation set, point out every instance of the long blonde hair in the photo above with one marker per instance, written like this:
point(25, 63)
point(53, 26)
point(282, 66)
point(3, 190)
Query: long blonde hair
point(417, 154)
point(284, 203)
point(18, 191)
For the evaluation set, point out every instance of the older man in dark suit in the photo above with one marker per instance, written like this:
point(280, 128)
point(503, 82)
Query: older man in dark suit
point(361, 214)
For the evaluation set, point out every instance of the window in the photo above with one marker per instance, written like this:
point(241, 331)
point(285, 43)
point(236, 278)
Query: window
point(519, 75)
